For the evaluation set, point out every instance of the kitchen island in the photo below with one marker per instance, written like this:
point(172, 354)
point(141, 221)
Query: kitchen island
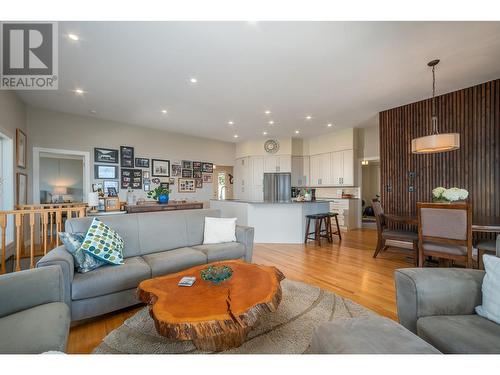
point(274, 222)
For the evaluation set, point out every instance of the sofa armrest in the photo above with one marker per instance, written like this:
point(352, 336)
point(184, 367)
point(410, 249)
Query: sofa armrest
point(244, 235)
point(436, 291)
point(26, 289)
point(59, 256)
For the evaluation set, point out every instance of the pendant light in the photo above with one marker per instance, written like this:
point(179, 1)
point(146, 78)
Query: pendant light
point(435, 142)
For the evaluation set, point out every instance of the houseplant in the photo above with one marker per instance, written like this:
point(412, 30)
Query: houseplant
point(160, 193)
point(441, 194)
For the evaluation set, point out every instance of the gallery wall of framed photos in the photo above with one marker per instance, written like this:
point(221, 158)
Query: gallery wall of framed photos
point(116, 170)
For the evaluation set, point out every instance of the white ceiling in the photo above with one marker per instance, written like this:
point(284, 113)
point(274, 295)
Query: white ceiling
point(339, 72)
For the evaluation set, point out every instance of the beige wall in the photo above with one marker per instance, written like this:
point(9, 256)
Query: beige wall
point(369, 141)
point(12, 116)
point(256, 147)
point(49, 129)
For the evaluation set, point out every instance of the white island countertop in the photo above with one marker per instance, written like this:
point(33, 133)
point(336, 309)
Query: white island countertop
point(273, 222)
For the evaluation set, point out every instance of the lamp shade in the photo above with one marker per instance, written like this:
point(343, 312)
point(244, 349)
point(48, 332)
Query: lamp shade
point(60, 190)
point(93, 199)
point(435, 143)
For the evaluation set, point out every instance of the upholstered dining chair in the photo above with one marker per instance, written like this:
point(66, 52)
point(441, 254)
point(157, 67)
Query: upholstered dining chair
point(445, 231)
point(384, 233)
point(487, 246)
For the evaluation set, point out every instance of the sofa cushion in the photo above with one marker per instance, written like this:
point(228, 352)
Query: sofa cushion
point(39, 329)
point(73, 244)
point(368, 335)
point(490, 308)
point(103, 243)
point(125, 225)
point(110, 279)
point(222, 251)
point(460, 334)
point(174, 260)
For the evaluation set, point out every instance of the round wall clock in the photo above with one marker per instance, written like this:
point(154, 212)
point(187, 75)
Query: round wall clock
point(271, 146)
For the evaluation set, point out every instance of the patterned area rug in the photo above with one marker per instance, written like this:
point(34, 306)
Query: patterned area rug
point(286, 331)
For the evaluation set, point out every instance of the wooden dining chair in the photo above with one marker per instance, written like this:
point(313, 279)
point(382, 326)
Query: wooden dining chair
point(445, 231)
point(384, 233)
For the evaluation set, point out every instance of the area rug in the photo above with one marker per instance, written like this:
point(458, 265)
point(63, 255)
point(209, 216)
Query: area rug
point(287, 331)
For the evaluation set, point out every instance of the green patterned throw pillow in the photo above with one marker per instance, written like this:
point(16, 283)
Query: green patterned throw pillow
point(103, 243)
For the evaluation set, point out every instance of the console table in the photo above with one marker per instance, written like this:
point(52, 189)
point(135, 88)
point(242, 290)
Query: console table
point(170, 206)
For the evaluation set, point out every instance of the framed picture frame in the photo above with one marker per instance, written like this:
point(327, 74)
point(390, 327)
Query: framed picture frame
point(160, 168)
point(187, 173)
point(196, 165)
point(186, 164)
point(110, 184)
point(127, 156)
point(207, 167)
point(105, 172)
point(146, 187)
point(112, 192)
point(105, 155)
point(197, 173)
point(102, 204)
point(112, 204)
point(165, 185)
point(186, 185)
point(21, 148)
point(145, 174)
point(96, 187)
point(21, 188)
point(198, 183)
point(155, 180)
point(131, 178)
point(142, 162)
point(176, 170)
point(207, 178)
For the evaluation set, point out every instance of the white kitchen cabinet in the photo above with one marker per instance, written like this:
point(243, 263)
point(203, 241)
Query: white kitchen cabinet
point(348, 213)
point(242, 178)
point(320, 170)
point(277, 163)
point(300, 171)
point(256, 166)
point(342, 168)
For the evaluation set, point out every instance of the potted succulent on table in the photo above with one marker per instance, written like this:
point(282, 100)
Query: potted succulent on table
point(161, 194)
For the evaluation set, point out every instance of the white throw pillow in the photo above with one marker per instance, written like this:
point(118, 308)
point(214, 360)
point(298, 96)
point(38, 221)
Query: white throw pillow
point(490, 309)
point(219, 230)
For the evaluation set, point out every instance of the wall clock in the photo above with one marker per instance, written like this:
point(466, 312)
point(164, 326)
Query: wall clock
point(271, 146)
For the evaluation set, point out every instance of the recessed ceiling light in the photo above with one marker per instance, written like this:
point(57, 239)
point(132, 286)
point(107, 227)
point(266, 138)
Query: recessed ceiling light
point(329, 125)
point(73, 36)
point(193, 80)
point(271, 122)
point(308, 117)
point(264, 133)
point(164, 111)
point(79, 91)
point(268, 112)
point(230, 122)
point(235, 136)
point(297, 131)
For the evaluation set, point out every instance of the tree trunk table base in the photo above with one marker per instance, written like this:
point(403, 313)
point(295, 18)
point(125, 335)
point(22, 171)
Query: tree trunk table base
point(214, 317)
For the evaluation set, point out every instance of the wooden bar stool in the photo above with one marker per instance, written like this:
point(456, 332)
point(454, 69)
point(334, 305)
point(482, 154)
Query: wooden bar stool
point(320, 220)
point(337, 232)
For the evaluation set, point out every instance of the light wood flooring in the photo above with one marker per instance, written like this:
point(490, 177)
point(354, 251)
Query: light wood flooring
point(346, 268)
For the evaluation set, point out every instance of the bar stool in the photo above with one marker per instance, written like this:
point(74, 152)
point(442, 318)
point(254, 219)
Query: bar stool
point(319, 232)
point(337, 232)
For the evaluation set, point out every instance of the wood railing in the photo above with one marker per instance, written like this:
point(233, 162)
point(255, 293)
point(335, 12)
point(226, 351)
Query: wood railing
point(40, 224)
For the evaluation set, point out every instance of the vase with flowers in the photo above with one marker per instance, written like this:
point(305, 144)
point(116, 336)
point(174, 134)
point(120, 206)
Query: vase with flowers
point(443, 195)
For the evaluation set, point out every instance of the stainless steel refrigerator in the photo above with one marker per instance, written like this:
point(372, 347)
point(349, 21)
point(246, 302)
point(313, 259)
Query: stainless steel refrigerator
point(277, 187)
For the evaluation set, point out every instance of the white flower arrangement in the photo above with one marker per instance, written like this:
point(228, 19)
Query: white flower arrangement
point(451, 195)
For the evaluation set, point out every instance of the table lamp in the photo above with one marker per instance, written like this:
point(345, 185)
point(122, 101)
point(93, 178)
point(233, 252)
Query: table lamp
point(93, 201)
point(60, 191)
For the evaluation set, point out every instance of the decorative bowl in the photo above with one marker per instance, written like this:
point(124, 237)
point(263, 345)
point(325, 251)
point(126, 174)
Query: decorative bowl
point(216, 274)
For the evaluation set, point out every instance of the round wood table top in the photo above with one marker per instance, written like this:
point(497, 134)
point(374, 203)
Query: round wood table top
point(215, 317)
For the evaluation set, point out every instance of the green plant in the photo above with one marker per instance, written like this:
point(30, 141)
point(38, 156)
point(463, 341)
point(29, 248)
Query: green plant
point(156, 192)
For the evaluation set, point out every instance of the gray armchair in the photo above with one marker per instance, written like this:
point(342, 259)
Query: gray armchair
point(33, 316)
point(438, 305)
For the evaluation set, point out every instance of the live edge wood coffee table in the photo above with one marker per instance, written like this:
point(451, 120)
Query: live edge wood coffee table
point(214, 317)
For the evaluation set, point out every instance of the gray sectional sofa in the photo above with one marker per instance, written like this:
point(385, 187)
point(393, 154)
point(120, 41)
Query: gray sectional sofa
point(156, 244)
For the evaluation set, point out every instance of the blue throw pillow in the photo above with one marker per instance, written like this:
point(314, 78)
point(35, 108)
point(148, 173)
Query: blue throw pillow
point(83, 261)
point(103, 243)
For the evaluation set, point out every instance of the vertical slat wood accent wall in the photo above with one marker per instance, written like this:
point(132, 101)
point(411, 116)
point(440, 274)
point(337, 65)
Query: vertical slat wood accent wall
point(473, 112)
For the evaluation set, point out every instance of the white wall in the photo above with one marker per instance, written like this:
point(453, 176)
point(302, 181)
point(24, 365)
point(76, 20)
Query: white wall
point(369, 141)
point(256, 147)
point(49, 129)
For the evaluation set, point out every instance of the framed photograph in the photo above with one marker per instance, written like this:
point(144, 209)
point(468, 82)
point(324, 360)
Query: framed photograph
point(155, 180)
point(187, 173)
point(186, 185)
point(127, 156)
point(131, 178)
point(164, 185)
point(21, 188)
point(146, 187)
point(145, 174)
point(112, 204)
point(96, 187)
point(160, 168)
point(207, 178)
point(21, 148)
point(186, 164)
point(176, 170)
point(109, 184)
point(102, 204)
point(196, 174)
point(198, 183)
point(141, 162)
point(112, 192)
point(105, 155)
point(103, 172)
point(207, 167)
point(196, 165)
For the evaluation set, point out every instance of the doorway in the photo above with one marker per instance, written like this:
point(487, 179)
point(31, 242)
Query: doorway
point(222, 182)
point(7, 182)
point(370, 190)
point(60, 176)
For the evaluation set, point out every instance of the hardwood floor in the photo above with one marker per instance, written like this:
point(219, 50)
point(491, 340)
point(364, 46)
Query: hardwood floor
point(347, 269)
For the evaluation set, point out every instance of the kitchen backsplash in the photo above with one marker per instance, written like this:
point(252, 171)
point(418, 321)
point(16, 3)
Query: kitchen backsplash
point(332, 192)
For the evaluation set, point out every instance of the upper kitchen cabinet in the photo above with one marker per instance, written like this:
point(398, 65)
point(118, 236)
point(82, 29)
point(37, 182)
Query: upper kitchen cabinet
point(320, 170)
point(342, 168)
point(277, 163)
point(300, 171)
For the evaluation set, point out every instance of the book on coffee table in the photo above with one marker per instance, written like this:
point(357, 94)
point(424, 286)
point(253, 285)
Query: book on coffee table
point(187, 281)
